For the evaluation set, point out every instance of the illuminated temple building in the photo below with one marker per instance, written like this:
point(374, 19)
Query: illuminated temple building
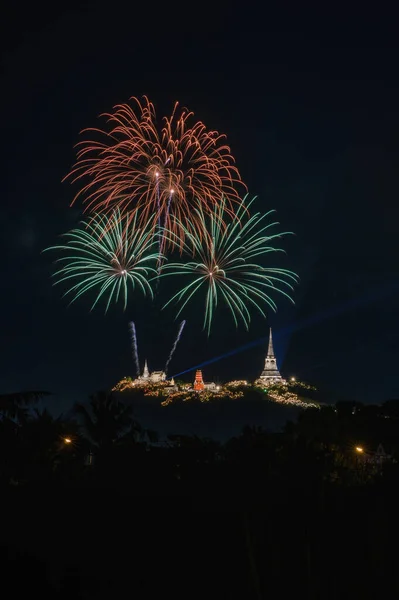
point(199, 385)
point(270, 373)
point(153, 377)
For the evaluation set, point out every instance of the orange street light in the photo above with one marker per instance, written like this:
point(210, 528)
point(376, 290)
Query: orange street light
point(68, 440)
point(359, 449)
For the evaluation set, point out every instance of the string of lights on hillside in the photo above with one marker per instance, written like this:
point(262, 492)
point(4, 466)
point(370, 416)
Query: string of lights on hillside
point(204, 396)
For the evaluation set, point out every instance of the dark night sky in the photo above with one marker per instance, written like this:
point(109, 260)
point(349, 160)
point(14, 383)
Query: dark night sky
point(309, 102)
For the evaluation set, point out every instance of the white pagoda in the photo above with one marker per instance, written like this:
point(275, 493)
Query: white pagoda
point(270, 373)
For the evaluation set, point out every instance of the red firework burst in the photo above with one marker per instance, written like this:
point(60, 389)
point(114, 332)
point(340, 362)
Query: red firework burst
point(162, 173)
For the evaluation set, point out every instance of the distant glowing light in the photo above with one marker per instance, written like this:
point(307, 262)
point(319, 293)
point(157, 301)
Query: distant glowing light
point(293, 379)
point(359, 449)
point(68, 440)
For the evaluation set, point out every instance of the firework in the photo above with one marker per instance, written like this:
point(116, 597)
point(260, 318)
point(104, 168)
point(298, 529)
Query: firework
point(182, 324)
point(134, 164)
point(109, 254)
point(134, 347)
point(223, 250)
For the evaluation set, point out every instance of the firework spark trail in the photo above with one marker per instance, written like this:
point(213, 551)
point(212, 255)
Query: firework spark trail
point(182, 324)
point(158, 202)
point(133, 164)
point(132, 328)
point(159, 229)
point(111, 255)
point(168, 208)
point(163, 237)
point(222, 268)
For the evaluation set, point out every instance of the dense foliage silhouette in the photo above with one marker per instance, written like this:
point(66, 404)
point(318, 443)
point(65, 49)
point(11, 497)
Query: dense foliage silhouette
point(96, 504)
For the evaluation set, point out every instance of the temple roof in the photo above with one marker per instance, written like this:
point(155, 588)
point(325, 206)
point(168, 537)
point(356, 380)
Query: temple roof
point(270, 350)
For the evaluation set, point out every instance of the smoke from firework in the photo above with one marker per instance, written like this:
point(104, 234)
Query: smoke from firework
point(134, 347)
point(182, 324)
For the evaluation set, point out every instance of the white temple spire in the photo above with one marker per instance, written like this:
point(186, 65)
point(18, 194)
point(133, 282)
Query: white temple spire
point(146, 372)
point(270, 372)
point(270, 350)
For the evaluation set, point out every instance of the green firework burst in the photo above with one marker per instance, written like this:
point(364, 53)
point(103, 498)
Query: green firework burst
point(225, 250)
point(110, 254)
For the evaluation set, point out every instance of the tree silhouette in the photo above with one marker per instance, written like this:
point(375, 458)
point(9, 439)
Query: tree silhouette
point(107, 421)
point(14, 405)
point(34, 444)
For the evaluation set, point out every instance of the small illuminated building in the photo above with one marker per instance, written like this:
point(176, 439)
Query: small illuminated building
point(270, 373)
point(171, 387)
point(157, 376)
point(199, 385)
point(153, 377)
point(210, 386)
